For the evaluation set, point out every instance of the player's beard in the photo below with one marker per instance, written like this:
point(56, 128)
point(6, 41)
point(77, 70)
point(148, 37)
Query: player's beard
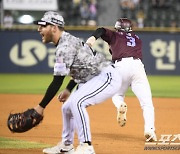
point(46, 38)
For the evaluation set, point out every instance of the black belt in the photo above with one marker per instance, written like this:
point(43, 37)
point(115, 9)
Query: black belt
point(117, 60)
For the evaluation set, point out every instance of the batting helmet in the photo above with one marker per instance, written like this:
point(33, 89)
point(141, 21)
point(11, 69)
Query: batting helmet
point(123, 24)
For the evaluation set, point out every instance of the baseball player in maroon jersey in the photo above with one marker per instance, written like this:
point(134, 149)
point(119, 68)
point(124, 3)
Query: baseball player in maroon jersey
point(126, 49)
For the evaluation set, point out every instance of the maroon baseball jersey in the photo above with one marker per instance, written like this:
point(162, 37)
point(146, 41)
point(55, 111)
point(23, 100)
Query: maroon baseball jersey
point(123, 44)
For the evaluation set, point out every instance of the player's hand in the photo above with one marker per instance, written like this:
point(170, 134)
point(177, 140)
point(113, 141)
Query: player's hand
point(63, 96)
point(90, 41)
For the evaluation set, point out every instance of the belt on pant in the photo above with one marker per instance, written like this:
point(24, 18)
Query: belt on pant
point(117, 60)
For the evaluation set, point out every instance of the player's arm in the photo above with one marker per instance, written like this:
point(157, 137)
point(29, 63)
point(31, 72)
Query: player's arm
point(50, 93)
point(70, 86)
point(97, 34)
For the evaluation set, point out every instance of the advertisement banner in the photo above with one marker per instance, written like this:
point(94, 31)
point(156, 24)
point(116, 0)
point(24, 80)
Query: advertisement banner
point(23, 52)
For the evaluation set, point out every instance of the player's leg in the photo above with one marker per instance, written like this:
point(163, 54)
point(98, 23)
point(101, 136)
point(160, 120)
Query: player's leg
point(93, 92)
point(118, 99)
point(65, 146)
point(68, 123)
point(141, 88)
point(121, 106)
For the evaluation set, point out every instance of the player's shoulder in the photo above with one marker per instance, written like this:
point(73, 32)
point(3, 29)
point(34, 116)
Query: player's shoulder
point(68, 38)
point(107, 30)
point(133, 34)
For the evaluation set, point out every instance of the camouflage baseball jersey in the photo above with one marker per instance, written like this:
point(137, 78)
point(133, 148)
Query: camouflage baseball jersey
point(77, 59)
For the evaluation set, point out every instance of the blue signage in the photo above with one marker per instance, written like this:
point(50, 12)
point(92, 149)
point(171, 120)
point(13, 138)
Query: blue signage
point(23, 52)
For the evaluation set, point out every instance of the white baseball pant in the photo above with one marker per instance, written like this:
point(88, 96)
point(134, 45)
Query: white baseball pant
point(133, 74)
point(93, 92)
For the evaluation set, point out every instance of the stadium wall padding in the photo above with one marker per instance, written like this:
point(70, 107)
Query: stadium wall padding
point(23, 52)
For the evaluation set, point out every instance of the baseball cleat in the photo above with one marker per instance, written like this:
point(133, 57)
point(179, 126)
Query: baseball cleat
point(84, 148)
point(150, 136)
point(121, 115)
point(60, 148)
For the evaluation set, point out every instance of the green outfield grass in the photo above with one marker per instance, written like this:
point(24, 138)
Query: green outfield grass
point(161, 86)
point(8, 143)
point(26, 83)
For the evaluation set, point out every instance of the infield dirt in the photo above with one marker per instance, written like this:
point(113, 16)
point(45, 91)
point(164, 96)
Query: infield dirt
point(107, 136)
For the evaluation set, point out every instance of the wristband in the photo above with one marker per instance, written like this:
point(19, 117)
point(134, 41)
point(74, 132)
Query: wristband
point(71, 85)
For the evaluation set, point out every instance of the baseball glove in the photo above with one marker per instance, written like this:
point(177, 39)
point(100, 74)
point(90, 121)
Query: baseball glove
point(22, 122)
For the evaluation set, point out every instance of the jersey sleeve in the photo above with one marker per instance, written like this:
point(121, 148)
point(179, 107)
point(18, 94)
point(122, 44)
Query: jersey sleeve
point(108, 36)
point(64, 58)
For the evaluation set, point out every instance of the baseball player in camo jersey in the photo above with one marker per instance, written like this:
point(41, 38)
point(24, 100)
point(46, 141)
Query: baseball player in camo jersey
point(126, 50)
point(97, 79)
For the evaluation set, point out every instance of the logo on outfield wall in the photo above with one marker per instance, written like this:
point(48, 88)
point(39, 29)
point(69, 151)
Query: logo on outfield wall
point(29, 53)
point(165, 54)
